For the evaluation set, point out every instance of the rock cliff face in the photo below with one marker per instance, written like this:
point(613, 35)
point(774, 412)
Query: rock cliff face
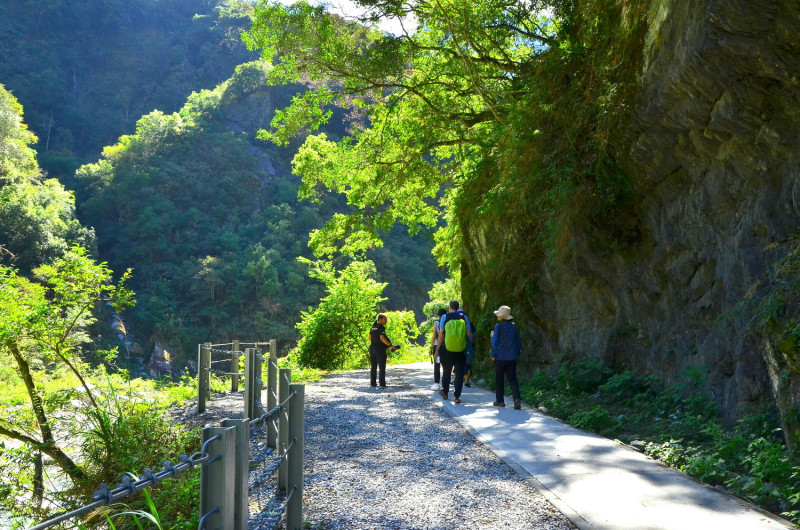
point(713, 146)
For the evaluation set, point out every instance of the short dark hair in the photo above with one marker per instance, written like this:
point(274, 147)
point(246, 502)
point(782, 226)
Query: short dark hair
point(454, 304)
point(442, 311)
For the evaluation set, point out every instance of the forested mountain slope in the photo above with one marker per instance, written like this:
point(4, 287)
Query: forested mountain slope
point(86, 70)
point(208, 218)
point(37, 215)
point(205, 214)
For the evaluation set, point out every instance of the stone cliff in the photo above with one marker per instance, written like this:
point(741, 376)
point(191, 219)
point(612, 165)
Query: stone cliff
point(713, 149)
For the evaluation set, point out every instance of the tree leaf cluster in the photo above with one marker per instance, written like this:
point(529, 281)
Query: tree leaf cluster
point(512, 107)
point(334, 334)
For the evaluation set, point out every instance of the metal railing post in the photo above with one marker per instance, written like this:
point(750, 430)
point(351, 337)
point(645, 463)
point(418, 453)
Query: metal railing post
point(259, 386)
point(235, 366)
point(242, 472)
point(203, 377)
point(217, 479)
point(284, 379)
point(294, 510)
point(272, 400)
point(249, 383)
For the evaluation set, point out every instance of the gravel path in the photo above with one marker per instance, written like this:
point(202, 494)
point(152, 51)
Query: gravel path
point(391, 458)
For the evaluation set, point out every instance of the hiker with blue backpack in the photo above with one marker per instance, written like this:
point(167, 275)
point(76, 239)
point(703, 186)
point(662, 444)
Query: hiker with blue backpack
point(505, 347)
point(454, 331)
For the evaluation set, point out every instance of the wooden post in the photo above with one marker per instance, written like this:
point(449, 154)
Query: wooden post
point(294, 511)
point(217, 478)
point(235, 366)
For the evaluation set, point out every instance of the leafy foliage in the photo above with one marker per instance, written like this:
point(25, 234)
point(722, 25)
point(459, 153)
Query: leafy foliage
point(37, 216)
point(510, 105)
point(334, 335)
point(42, 328)
point(208, 219)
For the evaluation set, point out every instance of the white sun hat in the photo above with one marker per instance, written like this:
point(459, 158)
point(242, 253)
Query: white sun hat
point(504, 312)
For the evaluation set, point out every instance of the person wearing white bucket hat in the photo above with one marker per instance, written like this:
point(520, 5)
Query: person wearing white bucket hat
point(505, 347)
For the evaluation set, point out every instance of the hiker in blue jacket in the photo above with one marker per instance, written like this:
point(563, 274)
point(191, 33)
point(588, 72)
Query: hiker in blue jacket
point(506, 348)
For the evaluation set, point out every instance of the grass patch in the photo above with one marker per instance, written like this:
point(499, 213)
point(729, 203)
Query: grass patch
point(678, 425)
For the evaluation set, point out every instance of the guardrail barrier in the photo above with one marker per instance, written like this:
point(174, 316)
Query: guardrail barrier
point(236, 491)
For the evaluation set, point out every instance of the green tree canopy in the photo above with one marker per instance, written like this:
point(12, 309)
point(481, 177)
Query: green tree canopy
point(334, 335)
point(37, 216)
point(511, 107)
point(439, 101)
point(43, 325)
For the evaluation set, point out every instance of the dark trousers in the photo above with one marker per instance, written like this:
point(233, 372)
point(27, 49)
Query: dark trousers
point(377, 359)
point(502, 369)
point(450, 359)
point(437, 370)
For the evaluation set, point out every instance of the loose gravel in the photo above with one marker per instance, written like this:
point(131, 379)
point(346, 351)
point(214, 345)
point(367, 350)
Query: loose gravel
point(393, 459)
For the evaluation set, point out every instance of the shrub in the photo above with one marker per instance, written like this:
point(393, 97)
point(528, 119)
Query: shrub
point(595, 419)
point(624, 386)
point(583, 375)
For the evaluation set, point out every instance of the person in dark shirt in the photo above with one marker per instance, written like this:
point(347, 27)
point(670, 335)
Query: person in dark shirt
point(378, 343)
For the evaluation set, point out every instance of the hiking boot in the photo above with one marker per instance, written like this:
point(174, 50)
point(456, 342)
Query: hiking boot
point(443, 394)
point(456, 400)
point(436, 386)
point(468, 384)
point(517, 404)
point(499, 404)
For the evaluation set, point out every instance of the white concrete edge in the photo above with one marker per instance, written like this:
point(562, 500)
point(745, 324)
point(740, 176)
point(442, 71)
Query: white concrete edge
point(559, 504)
point(554, 499)
point(574, 517)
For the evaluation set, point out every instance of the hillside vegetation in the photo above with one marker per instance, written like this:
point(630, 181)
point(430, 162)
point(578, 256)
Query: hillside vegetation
point(86, 71)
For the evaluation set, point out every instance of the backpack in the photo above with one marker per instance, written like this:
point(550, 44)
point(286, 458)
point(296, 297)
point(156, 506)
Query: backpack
point(455, 333)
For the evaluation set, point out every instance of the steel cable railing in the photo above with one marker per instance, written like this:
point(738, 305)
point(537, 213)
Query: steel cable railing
point(228, 447)
point(104, 495)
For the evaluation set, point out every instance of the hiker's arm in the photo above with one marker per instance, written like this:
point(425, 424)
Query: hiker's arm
point(385, 340)
point(441, 340)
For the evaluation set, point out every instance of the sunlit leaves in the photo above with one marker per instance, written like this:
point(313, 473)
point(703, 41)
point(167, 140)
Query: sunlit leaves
point(335, 333)
point(435, 99)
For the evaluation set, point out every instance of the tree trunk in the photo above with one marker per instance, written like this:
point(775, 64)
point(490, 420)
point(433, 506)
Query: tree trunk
point(48, 444)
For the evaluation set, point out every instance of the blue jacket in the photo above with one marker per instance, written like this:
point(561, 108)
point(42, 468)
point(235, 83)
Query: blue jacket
point(506, 345)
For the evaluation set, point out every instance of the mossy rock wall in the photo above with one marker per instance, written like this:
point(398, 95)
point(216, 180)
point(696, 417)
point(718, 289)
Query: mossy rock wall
point(712, 149)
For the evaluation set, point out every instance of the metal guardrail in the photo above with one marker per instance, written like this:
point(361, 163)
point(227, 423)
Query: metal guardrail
point(225, 485)
point(230, 357)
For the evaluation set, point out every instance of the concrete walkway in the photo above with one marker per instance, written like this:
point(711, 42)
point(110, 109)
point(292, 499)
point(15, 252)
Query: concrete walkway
point(596, 482)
